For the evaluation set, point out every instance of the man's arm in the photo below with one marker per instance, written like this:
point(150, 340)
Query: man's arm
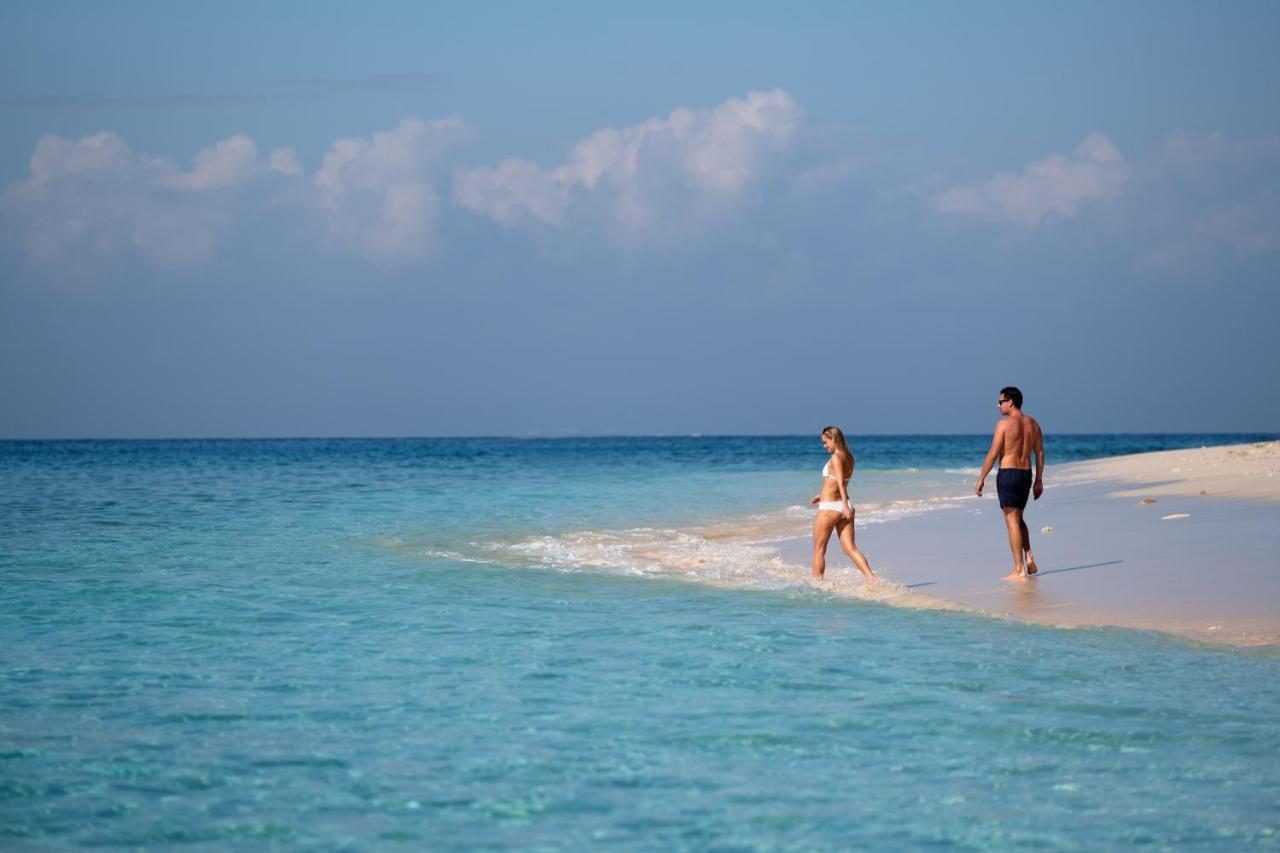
point(1038, 450)
point(997, 446)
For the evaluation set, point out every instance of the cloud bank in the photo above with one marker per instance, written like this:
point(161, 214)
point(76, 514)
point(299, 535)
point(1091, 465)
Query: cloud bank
point(381, 196)
point(661, 183)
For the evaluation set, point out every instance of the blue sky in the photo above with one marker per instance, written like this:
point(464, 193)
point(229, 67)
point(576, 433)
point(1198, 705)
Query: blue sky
point(526, 219)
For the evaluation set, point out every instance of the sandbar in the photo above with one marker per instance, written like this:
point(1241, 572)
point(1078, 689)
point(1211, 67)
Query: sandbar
point(1182, 541)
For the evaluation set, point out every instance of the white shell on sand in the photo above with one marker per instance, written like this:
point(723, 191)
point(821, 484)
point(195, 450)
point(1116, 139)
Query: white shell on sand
point(1175, 516)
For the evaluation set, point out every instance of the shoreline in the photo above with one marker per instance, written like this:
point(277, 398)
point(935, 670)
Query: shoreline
point(1180, 541)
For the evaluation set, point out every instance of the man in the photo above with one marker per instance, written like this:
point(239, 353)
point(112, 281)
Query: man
point(1016, 438)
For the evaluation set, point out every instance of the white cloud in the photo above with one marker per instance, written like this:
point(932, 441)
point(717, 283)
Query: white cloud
point(1057, 186)
point(227, 163)
point(514, 190)
point(1199, 201)
point(651, 180)
point(824, 177)
point(56, 157)
point(285, 161)
point(89, 197)
point(376, 192)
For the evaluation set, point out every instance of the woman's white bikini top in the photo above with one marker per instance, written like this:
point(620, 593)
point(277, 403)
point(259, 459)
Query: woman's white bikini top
point(826, 472)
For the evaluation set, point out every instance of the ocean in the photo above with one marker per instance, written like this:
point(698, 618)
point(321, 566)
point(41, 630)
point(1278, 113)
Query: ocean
point(569, 643)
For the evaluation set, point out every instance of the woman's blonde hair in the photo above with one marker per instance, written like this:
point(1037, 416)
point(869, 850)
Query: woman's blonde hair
point(834, 433)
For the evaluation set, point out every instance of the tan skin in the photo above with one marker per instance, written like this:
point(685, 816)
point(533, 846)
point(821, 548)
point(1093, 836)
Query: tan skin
point(1017, 437)
point(841, 522)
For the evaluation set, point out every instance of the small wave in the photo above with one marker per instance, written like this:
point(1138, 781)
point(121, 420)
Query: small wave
point(689, 556)
point(648, 551)
point(452, 556)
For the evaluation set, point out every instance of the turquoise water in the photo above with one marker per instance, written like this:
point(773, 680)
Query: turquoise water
point(303, 643)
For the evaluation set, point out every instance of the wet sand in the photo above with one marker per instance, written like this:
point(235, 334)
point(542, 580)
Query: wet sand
point(1199, 558)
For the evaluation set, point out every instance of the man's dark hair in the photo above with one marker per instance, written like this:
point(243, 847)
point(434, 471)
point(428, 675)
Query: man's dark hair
point(1011, 393)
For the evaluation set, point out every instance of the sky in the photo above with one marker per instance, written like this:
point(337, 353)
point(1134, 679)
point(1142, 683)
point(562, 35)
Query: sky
point(558, 219)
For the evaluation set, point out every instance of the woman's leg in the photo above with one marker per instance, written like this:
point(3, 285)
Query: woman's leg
point(823, 523)
point(845, 528)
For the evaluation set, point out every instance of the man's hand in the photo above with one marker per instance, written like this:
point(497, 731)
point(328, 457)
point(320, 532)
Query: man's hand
point(1037, 490)
point(977, 490)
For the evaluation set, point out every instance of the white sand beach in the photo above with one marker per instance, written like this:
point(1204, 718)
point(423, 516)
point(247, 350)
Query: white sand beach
point(1183, 541)
point(1242, 471)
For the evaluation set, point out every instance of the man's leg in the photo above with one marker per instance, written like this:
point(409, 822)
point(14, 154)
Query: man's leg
point(1013, 523)
point(1026, 545)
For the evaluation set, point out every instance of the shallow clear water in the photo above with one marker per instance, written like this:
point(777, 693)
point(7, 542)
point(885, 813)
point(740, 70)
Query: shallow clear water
point(227, 642)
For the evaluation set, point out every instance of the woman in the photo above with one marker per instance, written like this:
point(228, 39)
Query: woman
point(834, 511)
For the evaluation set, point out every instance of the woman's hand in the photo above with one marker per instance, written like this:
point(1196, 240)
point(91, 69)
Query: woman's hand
point(847, 512)
point(815, 500)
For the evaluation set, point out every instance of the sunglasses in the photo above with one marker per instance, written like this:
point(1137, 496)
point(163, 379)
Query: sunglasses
point(1001, 402)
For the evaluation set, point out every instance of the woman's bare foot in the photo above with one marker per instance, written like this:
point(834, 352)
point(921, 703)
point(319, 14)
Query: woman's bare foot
point(1015, 575)
point(1031, 564)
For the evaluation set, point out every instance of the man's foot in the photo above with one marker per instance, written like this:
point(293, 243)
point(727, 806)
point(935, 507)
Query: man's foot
point(1031, 565)
point(1015, 575)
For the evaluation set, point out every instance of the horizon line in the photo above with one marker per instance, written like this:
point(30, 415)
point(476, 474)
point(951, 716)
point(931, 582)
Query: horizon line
point(593, 436)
